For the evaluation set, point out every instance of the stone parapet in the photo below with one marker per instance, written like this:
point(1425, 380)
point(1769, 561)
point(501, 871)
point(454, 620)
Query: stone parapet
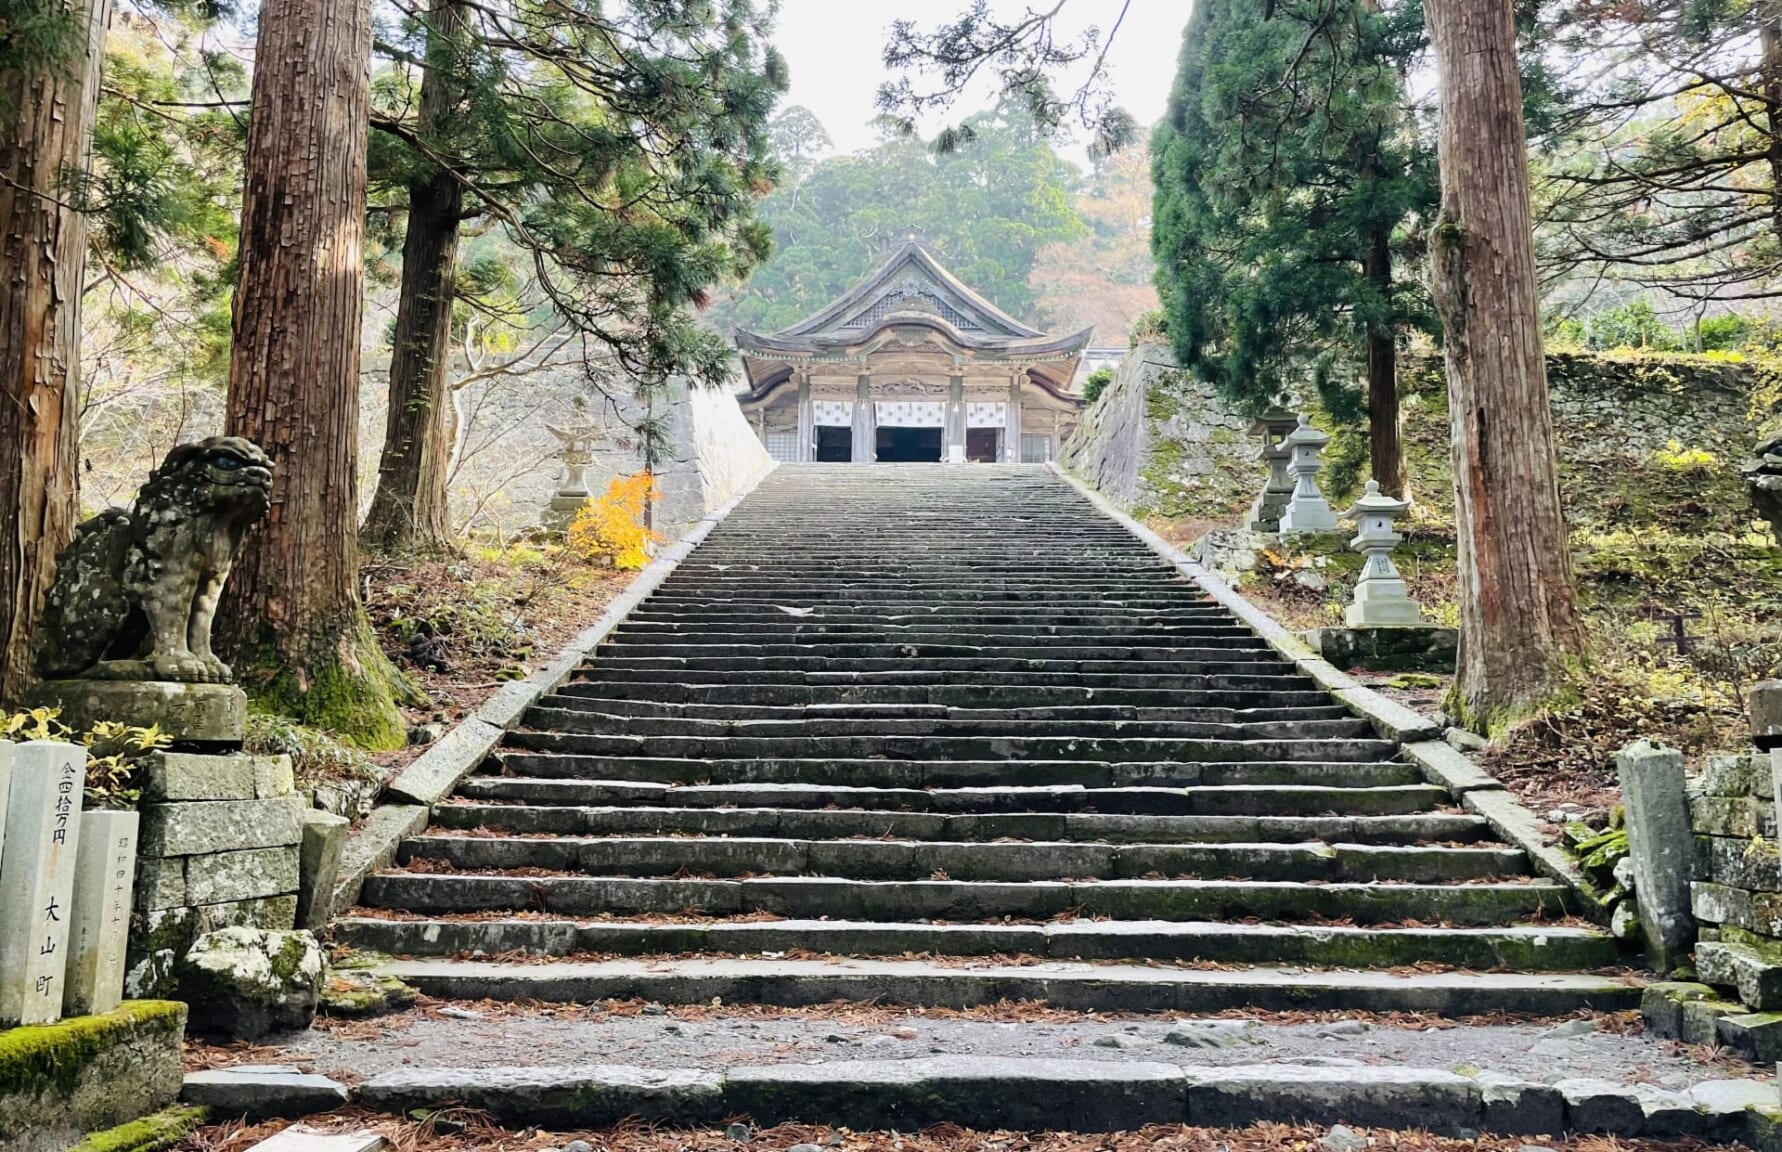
point(220, 848)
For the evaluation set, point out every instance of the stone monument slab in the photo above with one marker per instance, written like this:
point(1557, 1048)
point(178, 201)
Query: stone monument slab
point(104, 875)
point(37, 879)
point(1662, 846)
point(5, 790)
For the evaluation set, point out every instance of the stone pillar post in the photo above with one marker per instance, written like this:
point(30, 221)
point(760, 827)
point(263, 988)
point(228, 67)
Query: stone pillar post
point(1011, 437)
point(1662, 847)
point(807, 426)
point(865, 449)
point(955, 453)
point(43, 828)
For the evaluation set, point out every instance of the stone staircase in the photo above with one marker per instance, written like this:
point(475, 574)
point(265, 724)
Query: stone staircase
point(948, 736)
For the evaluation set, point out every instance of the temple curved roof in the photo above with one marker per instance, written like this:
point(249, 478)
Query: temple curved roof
point(911, 301)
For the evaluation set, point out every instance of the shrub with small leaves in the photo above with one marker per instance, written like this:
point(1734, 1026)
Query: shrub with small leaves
point(115, 752)
point(610, 528)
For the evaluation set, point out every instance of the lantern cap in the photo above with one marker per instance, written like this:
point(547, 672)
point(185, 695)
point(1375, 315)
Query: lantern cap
point(1374, 502)
point(1274, 423)
point(1305, 434)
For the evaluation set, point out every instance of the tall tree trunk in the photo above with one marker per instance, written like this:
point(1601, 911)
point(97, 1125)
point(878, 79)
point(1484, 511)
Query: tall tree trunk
point(410, 507)
point(1385, 448)
point(46, 127)
point(1520, 637)
point(1769, 31)
point(292, 618)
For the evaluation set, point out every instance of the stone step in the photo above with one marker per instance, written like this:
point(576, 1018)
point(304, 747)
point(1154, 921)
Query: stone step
point(1248, 650)
point(1261, 678)
point(585, 700)
point(841, 898)
point(839, 824)
point(1075, 986)
point(1529, 948)
point(1239, 800)
point(831, 725)
point(717, 613)
point(530, 753)
point(793, 630)
point(918, 860)
point(968, 696)
point(929, 749)
point(1239, 663)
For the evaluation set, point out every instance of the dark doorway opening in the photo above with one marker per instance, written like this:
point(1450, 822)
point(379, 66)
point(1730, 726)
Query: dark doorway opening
point(835, 445)
point(909, 445)
point(982, 445)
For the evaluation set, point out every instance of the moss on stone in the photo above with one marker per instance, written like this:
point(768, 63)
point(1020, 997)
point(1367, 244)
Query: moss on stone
point(347, 687)
point(57, 1054)
point(152, 1133)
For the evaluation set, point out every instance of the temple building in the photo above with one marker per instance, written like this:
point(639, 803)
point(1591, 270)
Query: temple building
point(912, 365)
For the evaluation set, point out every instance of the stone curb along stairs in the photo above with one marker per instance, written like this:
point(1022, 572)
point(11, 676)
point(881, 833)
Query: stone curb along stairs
point(911, 722)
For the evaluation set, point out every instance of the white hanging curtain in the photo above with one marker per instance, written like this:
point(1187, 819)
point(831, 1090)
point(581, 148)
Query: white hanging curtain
point(832, 413)
point(911, 414)
point(987, 415)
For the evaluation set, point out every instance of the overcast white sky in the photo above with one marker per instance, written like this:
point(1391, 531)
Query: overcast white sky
point(834, 49)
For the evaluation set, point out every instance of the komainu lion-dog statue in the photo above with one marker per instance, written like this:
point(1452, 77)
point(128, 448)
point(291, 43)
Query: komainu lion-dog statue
point(136, 591)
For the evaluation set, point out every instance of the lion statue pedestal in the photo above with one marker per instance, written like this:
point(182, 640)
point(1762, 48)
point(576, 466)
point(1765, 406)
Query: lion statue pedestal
point(125, 635)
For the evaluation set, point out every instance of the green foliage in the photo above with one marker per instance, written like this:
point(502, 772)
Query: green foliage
point(1096, 383)
point(986, 209)
point(116, 752)
point(316, 756)
point(619, 150)
point(1634, 325)
point(1290, 178)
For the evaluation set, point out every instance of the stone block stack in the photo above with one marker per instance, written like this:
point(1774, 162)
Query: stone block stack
point(221, 839)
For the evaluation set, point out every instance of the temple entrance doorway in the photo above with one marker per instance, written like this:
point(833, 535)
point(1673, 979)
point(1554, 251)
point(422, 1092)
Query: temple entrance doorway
point(835, 445)
point(909, 445)
point(983, 445)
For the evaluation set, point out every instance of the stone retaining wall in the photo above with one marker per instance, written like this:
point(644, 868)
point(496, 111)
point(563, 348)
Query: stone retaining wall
point(219, 848)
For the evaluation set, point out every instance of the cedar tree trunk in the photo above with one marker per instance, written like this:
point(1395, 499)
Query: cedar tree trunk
point(292, 618)
point(410, 506)
point(46, 128)
point(1520, 637)
point(1385, 449)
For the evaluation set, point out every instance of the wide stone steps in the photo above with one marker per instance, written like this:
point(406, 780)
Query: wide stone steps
point(950, 736)
point(840, 824)
point(1238, 800)
point(1521, 947)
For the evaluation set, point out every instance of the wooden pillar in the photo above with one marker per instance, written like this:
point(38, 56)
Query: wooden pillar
point(1011, 436)
point(865, 433)
point(807, 426)
point(955, 453)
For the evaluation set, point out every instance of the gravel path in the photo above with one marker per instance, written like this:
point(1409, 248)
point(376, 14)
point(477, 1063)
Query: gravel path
point(469, 1036)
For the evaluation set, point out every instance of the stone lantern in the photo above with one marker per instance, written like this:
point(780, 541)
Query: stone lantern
point(1307, 509)
point(577, 440)
point(1273, 426)
point(1380, 596)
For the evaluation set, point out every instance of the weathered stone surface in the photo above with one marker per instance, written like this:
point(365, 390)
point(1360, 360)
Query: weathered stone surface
point(189, 776)
point(356, 993)
point(373, 845)
point(1661, 1005)
point(1701, 1020)
point(43, 828)
point(1756, 1036)
point(211, 715)
point(1745, 774)
point(1602, 1106)
point(151, 1133)
point(432, 777)
point(1448, 767)
point(1520, 1107)
point(574, 1096)
point(1372, 1097)
point(298, 1138)
point(228, 877)
point(1400, 648)
point(160, 882)
point(1212, 1033)
point(1764, 704)
point(79, 1075)
point(319, 855)
point(990, 1092)
point(160, 938)
point(104, 869)
point(198, 827)
point(1756, 978)
point(246, 983)
point(258, 1092)
point(1662, 848)
point(1737, 816)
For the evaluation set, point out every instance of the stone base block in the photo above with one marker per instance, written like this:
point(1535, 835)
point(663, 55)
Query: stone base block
point(1410, 648)
point(60, 1081)
point(209, 717)
point(159, 940)
point(1754, 975)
